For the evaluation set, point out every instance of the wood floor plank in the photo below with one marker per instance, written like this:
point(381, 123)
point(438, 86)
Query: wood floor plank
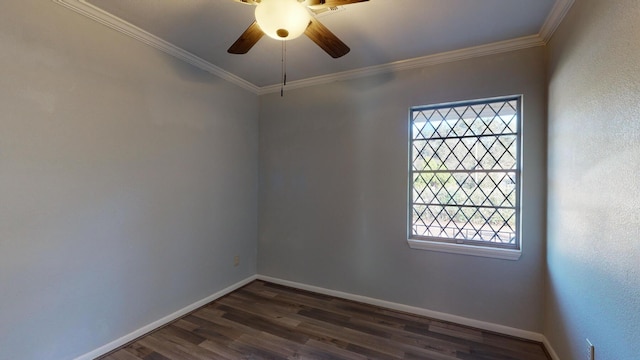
point(182, 334)
point(334, 350)
point(122, 355)
point(155, 356)
point(185, 325)
point(271, 311)
point(140, 351)
point(263, 320)
point(222, 351)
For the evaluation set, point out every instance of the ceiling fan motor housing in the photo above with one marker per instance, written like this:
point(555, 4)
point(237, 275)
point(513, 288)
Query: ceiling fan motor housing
point(282, 19)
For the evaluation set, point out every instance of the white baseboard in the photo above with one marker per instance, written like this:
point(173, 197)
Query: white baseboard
point(506, 330)
point(547, 345)
point(524, 334)
point(158, 323)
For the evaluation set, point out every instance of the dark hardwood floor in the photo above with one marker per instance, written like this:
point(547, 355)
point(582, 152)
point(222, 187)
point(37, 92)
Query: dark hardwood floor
point(268, 321)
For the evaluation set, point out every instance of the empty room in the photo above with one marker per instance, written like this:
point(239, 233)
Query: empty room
point(320, 179)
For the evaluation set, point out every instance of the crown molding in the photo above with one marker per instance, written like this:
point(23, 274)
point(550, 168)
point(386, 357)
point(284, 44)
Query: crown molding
point(105, 18)
point(429, 60)
point(557, 14)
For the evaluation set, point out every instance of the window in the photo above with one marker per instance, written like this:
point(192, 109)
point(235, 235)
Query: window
point(464, 177)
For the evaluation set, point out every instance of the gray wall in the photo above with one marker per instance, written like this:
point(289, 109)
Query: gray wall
point(128, 181)
point(594, 161)
point(333, 191)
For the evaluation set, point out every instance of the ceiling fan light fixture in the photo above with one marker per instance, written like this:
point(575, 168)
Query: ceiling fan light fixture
point(282, 19)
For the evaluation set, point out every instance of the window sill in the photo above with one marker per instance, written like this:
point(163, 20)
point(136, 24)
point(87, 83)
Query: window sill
point(496, 253)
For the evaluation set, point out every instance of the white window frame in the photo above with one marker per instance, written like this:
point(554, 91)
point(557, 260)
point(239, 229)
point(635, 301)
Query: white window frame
point(450, 245)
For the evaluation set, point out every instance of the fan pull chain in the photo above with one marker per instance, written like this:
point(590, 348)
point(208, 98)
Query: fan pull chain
point(284, 67)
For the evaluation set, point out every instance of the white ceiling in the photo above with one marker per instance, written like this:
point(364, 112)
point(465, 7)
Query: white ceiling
point(379, 32)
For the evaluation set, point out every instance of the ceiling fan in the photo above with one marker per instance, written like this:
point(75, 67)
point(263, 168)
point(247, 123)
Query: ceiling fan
point(288, 19)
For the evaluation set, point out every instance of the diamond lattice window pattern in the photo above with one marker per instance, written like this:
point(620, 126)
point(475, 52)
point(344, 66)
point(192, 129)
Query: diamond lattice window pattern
point(465, 173)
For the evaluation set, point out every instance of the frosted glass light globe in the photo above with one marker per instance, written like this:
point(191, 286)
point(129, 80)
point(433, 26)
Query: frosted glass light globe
point(282, 19)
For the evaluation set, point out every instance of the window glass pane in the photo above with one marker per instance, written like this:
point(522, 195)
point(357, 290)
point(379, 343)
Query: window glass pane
point(465, 173)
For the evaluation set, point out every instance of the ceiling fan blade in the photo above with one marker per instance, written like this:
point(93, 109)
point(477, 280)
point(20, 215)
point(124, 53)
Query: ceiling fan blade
point(248, 2)
point(326, 39)
point(246, 41)
point(331, 3)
